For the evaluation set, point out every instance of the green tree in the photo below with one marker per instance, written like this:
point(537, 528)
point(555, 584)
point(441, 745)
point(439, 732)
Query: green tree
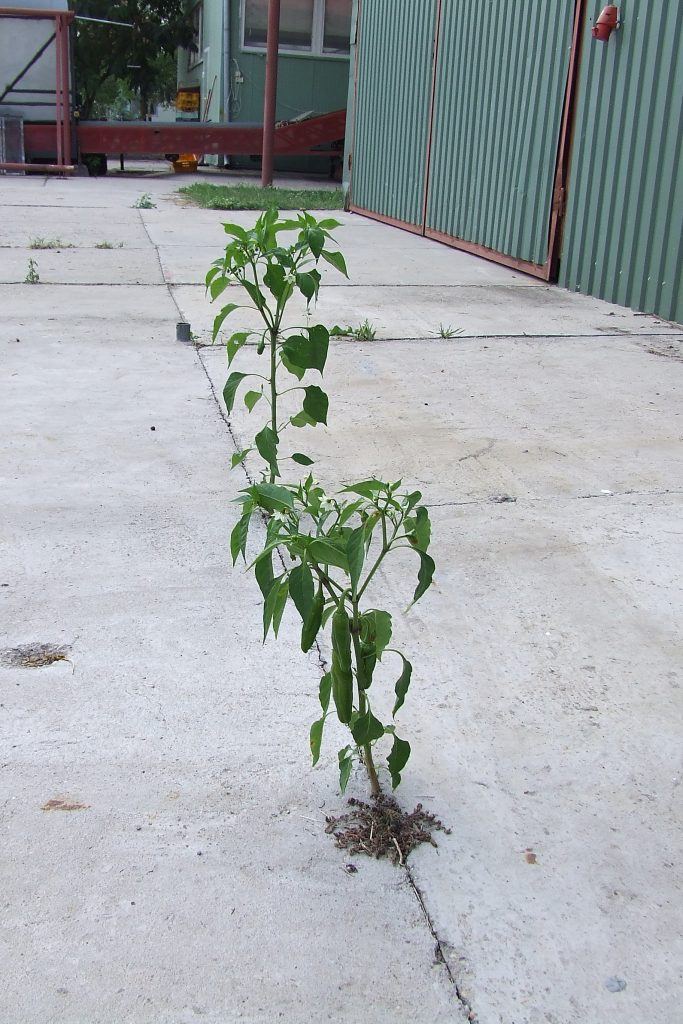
point(142, 58)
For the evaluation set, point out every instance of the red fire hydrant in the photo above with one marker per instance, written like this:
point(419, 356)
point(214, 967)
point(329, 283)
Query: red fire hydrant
point(607, 22)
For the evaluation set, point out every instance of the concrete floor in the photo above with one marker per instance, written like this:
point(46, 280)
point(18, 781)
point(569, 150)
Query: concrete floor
point(196, 882)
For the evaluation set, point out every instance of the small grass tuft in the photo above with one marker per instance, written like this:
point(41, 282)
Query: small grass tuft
point(32, 275)
point(50, 243)
point(109, 245)
point(144, 202)
point(446, 331)
point(253, 197)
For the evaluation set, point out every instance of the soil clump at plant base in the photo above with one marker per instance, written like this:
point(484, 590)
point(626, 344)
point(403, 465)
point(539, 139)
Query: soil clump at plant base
point(383, 829)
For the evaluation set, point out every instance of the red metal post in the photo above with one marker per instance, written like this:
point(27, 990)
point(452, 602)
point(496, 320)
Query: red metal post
point(63, 39)
point(59, 99)
point(270, 92)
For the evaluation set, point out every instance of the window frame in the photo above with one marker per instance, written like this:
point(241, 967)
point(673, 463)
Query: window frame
point(192, 64)
point(317, 36)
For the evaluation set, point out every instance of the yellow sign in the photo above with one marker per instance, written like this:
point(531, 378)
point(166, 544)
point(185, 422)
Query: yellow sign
point(187, 100)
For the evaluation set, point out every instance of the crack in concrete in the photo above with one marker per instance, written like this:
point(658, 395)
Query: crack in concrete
point(557, 497)
point(480, 451)
point(439, 949)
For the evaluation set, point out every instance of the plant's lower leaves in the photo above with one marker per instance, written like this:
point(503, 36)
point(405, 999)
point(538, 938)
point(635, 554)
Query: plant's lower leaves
point(266, 442)
point(367, 729)
point(230, 389)
point(424, 576)
point(315, 739)
point(402, 683)
point(316, 403)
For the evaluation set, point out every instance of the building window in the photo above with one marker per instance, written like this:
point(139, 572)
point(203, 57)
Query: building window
point(194, 50)
point(306, 26)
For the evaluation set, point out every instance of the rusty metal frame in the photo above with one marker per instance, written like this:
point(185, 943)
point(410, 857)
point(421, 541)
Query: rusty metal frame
point(62, 20)
point(547, 271)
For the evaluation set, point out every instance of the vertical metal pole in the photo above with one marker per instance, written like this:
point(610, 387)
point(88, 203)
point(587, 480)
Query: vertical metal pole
point(58, 89)
point(270, 92)
point(66, 98)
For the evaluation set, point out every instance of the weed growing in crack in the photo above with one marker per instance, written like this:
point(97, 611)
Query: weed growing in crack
point(365, 331)
point(50, 243)
point(144, 202)
point(109, 245)
point(32, 275)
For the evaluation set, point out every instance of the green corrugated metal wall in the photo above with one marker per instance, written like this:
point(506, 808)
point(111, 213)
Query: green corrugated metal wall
point(500, 84)
point(392, 115)
point(623, 237)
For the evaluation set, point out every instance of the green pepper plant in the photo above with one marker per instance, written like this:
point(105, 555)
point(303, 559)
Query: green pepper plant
point(270, 274)
point(336, 543)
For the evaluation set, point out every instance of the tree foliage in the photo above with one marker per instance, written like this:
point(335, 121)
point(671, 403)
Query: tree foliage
point(109, 58)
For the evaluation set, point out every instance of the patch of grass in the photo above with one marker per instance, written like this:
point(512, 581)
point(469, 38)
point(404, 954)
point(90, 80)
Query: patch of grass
point(50, 243)
point(253, 197)
point(109, 245)
point(32, 275)
point(144, 202)
point(446, 331)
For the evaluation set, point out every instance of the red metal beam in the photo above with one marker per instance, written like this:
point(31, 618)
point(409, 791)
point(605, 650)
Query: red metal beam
point(234, 139)
point(270, 92)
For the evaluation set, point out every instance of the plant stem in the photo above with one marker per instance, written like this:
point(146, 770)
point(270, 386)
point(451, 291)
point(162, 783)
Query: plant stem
point(375, 787)
point(273, 388)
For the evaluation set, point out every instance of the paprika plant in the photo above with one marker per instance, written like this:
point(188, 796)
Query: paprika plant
point(335, 544)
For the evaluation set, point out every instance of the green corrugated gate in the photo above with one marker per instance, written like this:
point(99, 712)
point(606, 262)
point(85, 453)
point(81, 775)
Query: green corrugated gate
point(458, 113)
point(393, 89)
point(500, 83)
point(623, 237)
point(464, 112)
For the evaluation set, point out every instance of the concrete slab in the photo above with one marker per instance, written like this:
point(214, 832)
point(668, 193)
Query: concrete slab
point(530, 418)
point(81, 265)
point(75, 225)
point(495, 311)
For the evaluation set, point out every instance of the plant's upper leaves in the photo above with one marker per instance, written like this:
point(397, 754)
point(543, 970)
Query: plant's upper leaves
point(271, 496)
point(336, 260)
point(316, 403)
point(230, 389)
point(266, 442)
point(301, 589)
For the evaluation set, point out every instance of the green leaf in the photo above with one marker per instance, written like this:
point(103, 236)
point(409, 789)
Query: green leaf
point(274, 279)
point(423, 528)
point(316, 404)
point(424, 576)
point(329, 223)
point(345, 765)
point(325, 553)
point(367, 488)
point(316, 738)
point(302, 460)
point(306, 285)
point(263, 571)
point(275, 605)
point(218, 285)
point(271, 496)
point(325, 691)
point(251, 398)
point(316, 240)
point(236, 231)
point(218, 320)
point(402, 683)
point(230, 389)
point(367, 729)
point(308, 353)
point(266, 442)
point(301, 589)
point(293, 368)
point(336, 260)
point(302, 419)
point(239, 457)
point(355, 553)
point(397, 760)
point(234, 342)
point(238, 537)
